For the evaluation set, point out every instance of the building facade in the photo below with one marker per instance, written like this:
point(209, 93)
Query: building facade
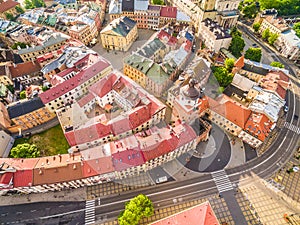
point(119, 34)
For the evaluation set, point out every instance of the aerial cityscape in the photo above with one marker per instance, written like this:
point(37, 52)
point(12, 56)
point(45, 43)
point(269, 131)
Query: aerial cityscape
point(160, 112)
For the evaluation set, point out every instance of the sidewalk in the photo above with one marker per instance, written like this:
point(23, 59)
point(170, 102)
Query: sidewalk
point(238, 156)
point(78, 194)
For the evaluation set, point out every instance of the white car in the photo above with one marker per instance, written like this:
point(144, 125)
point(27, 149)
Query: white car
point(161, 180)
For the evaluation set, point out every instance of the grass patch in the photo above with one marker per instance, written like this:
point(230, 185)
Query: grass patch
point(49, 142)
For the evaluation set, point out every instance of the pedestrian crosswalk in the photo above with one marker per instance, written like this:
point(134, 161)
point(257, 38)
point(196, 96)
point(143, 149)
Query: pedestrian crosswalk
point(90, 212)
point(292, 127)
point(222, 181)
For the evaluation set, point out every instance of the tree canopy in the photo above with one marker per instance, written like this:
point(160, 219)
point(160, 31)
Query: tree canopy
point(256, 26)
point(9, 16)
point(137, 208)
point(223, 76)
point(273, 37)
point(22, 94)
point(25, 151)
point(277, 64)
point(266, 34)
point(253, 54)
point(296, 28)
point(19, 9)
point(229, 64)
point(158, 2)
point(284, 7)
point(31, 4)
point(20, 44)
point(237, 46)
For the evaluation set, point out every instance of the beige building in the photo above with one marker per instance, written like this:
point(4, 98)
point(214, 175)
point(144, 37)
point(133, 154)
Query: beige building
point(53, 43)
point(154, 77)
point(228, 12)
point(8, 7)
point(276, 26)
point(214, 36)
point(288, 44)
point(83, 32)
point(119, 34)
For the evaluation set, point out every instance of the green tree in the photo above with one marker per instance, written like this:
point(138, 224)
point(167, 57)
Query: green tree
point(223, 77)
point(21, 44)
point(19, 9)
point(277, 64)
point(266, 34)
point(284, 7)
point(158, 2)
point(273, 37)
point(10, 88)
point(24, 151)
point(236, 46)
point(28, 4)
point(253, 54)
point(235, 32)
point(9, 16)
point(229, 64)
point(296, 28)
point(22, 94)
point(250, 10)
point(256, 27)
point(137, 208)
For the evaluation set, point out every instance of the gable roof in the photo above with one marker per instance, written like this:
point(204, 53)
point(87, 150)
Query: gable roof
point(6, 5)
point(73, 82)
point(201, 214)
point(26, 68)
point(168, 11)
point(128, 5)
point(24, 107)
point(121, 26)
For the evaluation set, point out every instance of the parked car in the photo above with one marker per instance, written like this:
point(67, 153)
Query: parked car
point(286, 108)
point(161, 180)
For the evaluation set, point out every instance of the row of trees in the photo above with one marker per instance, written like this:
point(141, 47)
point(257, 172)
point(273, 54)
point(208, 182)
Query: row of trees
point(31, 4)
point(268, 36)
point(137, 208)
point(250, 8)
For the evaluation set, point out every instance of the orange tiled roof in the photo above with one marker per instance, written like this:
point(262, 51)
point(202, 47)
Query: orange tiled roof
point(258, 125)
point(240, 62)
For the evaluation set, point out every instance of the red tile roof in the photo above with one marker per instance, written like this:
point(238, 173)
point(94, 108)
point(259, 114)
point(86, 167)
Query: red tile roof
point(139, 116)
point(85, 99)
point(120, 126)
point(168, 11)
point(163, 36)
point(68, 85)
point(26, 68)
point(181, 135)
point(96, 161)
point(103, 87)
point(201, 214)
point(126, 159)
point(24, 175)
point(258, 125)
point(4, 6)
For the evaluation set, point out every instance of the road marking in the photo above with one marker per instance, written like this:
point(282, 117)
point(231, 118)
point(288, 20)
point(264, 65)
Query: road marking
point(222, 181)
point(90, 212)
point(292, 127)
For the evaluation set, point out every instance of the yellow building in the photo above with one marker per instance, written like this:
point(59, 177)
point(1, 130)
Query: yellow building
point(53, 43)
point(119, 34)
point(8, 7)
